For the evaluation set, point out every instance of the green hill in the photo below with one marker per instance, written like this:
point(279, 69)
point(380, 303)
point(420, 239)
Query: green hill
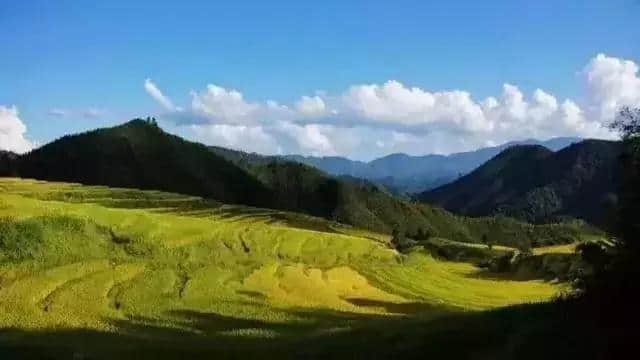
point(364, 204)
point(140, 155)
point(533, 183)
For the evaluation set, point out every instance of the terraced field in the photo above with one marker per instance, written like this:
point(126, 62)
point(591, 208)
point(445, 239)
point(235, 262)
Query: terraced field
point(167, 268)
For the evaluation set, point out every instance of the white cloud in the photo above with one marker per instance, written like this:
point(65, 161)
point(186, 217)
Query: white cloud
point(513, 106)
point(310, 139)
point(368, 119)
point(511, 116)
point(151, 88)
point(611, 83)
point(393, 103)
point(544, 105)
point(311, 106)
point(306, 139)
point(12, 131)
point(222, 106)
point(242, 137)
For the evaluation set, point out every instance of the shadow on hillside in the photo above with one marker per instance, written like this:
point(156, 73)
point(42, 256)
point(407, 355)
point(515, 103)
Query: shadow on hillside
point(545, 267)
point(187, 335)
point(552, 330)
point(397, 308)
point(503, 276)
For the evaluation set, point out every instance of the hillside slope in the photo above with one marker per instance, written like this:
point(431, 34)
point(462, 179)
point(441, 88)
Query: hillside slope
point(139, 154)
point(367, 205)
point(535, 184)
point(107, 273)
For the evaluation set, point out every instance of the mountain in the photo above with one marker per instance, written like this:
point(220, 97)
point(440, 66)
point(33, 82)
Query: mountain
point(404, 173)
point(533, 183)
point(355, 201)
point(334, 165)
point(140, 155)
point(365, 204)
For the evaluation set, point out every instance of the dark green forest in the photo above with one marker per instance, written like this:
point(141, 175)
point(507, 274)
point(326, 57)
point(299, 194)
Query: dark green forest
point(534, 184)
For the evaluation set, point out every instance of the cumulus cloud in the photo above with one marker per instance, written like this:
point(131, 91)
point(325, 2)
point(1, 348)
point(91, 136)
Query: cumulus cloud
point(270, 139)
point(368, 120)
point(611, 83)
point(394, 103)
point(241, 137)
point(312, 106)
point(514, 116)
point(310, 138)
point(12, 131)
point(219, 105)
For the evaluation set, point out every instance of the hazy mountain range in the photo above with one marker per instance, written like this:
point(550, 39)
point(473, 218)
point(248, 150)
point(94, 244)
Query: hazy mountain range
point(404, 173)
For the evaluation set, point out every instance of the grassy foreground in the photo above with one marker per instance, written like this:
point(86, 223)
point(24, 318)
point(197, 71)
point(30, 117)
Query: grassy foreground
point(95, 272)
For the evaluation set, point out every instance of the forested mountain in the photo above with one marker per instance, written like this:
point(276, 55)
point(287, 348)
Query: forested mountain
point(366, 204)
point(7, 162)
point(535, 184)
point(404, 173)
point(139, 154)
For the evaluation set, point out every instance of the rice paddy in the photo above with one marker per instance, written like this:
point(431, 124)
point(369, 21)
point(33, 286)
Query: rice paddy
point(78, 257)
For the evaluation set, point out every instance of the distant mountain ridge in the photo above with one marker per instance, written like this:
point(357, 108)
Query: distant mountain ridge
point(533, 183)
point(404, 173)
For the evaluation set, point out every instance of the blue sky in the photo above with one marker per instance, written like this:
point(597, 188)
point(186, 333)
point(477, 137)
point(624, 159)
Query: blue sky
point(68, 66)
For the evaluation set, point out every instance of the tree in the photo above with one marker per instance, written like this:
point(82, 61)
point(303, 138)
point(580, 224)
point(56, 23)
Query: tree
point(525, 247)
point(397, 237)
point(487, 241)
point(615, 267)
point(627, 224)
point(611, 290)
point(627, 123)
point(423, 234)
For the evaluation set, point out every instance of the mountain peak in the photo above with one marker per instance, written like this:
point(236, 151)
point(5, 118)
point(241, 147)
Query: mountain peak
point(139, 154)
point(524, 149)
point(533, 183)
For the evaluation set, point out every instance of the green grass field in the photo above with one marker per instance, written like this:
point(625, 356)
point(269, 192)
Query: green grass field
point(108, 271)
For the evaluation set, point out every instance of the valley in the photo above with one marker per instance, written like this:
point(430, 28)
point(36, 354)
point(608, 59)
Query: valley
point(122, 263)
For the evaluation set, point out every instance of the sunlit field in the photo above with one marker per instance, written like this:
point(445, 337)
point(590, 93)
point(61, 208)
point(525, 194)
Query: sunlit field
point(165, 267)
